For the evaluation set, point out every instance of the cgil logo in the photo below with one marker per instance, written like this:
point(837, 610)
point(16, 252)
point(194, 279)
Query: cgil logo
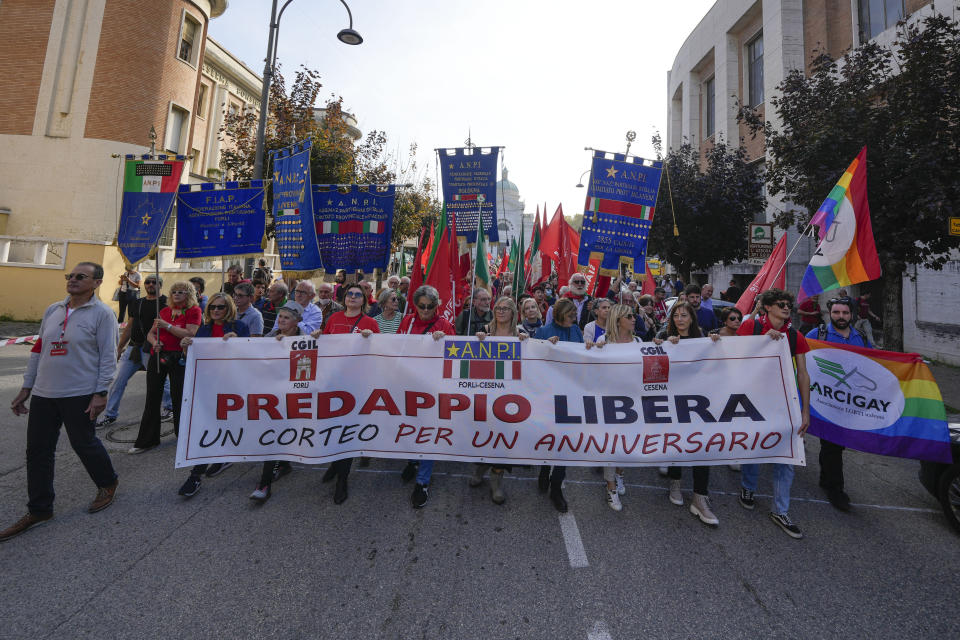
point(853, 391)
point(653, 351)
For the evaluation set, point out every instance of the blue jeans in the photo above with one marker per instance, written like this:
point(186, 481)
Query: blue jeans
point(125, 370)
point(424, 471)
point(782, 481)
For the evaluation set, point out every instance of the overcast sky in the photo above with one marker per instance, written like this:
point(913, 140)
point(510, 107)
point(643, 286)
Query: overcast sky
point(544, 79)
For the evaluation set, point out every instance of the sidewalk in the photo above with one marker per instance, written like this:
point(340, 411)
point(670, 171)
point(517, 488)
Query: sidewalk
point(18, 329)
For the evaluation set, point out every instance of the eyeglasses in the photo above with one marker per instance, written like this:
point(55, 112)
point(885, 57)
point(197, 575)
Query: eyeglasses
point(302, 292)
point(75, 276)
point(178, 293)
point(216, 307)
point(501, 309)
point(353, 294)
point(784, 304)
point(426, 307)
point(578, 282)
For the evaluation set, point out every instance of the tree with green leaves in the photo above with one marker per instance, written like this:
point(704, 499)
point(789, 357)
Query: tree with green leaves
point(903, 103)
point(335, 157)
point(713, 207)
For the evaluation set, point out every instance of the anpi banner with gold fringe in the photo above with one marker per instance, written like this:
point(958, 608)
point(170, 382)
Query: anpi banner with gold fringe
point(220, 219)
point(618, 212)
point(497, 400)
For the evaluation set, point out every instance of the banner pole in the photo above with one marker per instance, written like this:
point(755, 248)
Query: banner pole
point(795, 245)
point(473, 271)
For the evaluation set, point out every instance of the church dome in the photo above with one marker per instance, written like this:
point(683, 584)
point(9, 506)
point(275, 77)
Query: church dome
point(505, 185)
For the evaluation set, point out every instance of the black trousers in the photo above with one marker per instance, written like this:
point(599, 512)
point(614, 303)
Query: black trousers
point(701, 478)
point(127, 298)
point(342, 466)
point(43, 430)
point(831, 465)
point(557, 475)
point(266, 474)
point(149, 435)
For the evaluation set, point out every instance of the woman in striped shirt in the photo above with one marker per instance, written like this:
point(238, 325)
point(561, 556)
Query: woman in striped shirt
point(389, 317)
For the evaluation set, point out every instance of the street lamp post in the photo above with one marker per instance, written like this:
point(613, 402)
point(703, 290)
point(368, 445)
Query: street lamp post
point(580, 181)
point(346, 36)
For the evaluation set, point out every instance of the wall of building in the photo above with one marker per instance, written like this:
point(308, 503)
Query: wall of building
point(930, 312)
point(24, 30)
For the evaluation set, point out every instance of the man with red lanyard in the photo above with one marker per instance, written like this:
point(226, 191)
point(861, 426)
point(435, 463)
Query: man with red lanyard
point(775, 323)
point(68, 375)
point(425, 321)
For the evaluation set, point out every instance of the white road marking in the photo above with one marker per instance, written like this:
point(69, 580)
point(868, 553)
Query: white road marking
point(599, 632)
point(597, 483)
point(571, 538)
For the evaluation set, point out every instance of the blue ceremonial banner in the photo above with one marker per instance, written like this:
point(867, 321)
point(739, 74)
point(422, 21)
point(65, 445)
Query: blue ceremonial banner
point(618, 212)
point(216, 219)
point(469, 178)
point(354, 225)
point(149, 188)
point(293, 211)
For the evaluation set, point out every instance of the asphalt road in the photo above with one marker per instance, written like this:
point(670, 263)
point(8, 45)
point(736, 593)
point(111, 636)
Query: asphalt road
point(154, 565)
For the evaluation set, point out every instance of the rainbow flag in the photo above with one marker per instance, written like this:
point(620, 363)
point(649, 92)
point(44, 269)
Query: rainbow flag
point(847, 253)
point(881, 402)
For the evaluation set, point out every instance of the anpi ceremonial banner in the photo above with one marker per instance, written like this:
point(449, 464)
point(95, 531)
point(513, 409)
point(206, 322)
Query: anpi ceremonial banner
point(293, 211)
point(618, 211)
point(497, 400)
point(354, 225)
point(149, 188)
point(882, 402)
point(216, 219)
point(469, 178)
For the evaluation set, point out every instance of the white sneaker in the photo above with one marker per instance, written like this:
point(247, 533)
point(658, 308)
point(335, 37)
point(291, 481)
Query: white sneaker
point(675, 496)
point(618, 478)
point(136, 450)
point(734, 467)
point(662, 471)
point(613, 500)
point(260, 494)
point(700, 507)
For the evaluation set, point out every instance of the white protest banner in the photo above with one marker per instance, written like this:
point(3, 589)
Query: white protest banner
point(498, 400)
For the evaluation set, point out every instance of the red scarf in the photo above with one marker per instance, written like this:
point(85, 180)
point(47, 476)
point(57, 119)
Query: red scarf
point(766, 326)
point(573, 296)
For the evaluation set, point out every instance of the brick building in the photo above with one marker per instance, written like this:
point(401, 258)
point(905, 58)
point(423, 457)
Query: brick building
point(738, 53)
point(85, 82)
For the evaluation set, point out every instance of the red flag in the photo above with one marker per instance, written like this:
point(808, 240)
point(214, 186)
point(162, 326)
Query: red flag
point(429, 248)
point(441, 277)
point(773, 274)
point(552, 239)
point(416, 277)
point(567, 264)
point(648, 283)
point(603, 287)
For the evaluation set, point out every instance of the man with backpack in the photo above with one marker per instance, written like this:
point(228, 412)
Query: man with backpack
point(774, 322)
point(840, 330)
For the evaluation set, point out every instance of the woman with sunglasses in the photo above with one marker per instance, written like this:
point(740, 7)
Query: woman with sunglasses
point(389, 317)
point(426, 321)
point(730, 319)
point(179, 320)
point(682, 325)
point(287, 324)
point(504, 324)
point(620, 324)
point(353, 319)
point(219, 321)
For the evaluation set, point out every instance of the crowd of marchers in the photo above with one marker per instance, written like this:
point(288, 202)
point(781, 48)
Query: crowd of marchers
point(81, 364)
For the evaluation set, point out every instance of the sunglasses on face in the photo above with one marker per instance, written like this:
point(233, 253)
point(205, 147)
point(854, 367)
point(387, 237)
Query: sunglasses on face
point(426, 307)
point(783, 304)
point(353, 294)
point(178, 293)
point(734, 319)
point(216, 307)
point(578, 282)
point(149, 282)
point(75, 276)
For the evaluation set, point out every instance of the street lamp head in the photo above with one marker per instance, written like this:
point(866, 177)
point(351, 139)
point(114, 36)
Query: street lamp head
point(579, 185)
point(349, 36)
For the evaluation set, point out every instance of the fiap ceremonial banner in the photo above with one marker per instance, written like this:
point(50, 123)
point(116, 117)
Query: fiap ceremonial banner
point(216, 219)
point(618, 211)
point(293, 211)
point(354, 225)
point(496, 400)
point(149, 188)
point(469, 178)
point(882, 402)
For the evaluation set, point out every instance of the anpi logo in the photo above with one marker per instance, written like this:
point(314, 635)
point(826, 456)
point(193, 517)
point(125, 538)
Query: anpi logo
point(853, 391)
point(303, 365)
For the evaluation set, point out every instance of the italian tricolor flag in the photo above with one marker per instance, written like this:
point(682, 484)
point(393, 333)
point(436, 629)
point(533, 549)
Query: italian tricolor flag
point(152, 176)
point(617, 208)
point(482, 369)
point(353, 226)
